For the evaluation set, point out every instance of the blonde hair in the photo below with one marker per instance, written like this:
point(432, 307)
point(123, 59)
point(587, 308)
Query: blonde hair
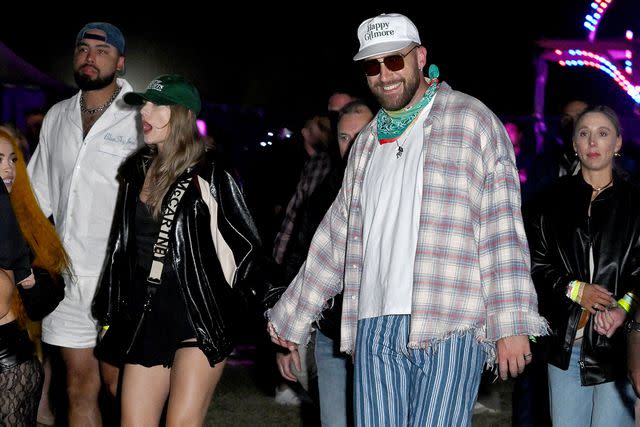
point(182, 149)
point(39, 233)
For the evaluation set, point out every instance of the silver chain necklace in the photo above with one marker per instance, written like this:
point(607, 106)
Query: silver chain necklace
point(400, 149)
point(101, 108)
point(406, 134)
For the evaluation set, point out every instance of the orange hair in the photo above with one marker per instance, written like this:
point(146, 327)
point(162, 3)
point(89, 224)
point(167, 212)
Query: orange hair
point(39, 233)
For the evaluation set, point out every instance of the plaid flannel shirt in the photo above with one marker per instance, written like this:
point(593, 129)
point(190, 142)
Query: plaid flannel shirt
point(314, 171)
point(472, 265)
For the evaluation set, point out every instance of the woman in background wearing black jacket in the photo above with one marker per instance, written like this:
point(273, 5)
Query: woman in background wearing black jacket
point(585, 249)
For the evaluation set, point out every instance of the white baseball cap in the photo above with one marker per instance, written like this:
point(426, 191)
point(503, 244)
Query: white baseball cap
point(385, 33)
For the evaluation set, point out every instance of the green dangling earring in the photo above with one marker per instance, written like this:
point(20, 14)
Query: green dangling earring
point(434, 71)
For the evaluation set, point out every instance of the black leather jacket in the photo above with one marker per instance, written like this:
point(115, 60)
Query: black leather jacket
point(212, 305)
point(560, 239)
point(14, 251)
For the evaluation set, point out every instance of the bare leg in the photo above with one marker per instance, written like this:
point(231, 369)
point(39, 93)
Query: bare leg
point(83, 386)
point(193, 382)
point(110, 375)
point(144, 391)
point(45, 416)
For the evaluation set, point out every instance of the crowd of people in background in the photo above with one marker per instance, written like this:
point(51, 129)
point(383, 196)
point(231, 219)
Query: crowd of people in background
point(424, 241)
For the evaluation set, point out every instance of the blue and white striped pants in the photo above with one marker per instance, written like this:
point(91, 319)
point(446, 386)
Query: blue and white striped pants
point(398, 386)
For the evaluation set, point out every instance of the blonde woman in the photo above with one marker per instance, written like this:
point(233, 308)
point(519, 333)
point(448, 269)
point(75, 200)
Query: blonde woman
point(586, 267)
point(181, 212)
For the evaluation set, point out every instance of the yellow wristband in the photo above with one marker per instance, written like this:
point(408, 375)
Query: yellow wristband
point(570, 287)
point(624, 305)
point(105, 328)
point(575, 290)
point(627, 301)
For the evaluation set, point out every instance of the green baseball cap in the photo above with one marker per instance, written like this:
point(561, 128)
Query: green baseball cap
point(168, 89)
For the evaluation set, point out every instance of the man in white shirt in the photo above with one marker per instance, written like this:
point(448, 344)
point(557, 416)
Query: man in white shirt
point(83, 141)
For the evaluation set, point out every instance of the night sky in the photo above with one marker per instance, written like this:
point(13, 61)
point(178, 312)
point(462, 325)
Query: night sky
point(262, 68)
point(290, 59)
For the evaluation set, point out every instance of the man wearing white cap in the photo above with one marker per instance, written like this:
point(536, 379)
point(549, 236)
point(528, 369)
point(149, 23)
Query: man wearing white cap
point(427, 241)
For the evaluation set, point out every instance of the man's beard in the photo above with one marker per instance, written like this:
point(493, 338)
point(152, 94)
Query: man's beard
point(411, 87)
point(86, 83)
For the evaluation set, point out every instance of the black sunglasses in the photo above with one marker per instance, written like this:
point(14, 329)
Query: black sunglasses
point(371, 67)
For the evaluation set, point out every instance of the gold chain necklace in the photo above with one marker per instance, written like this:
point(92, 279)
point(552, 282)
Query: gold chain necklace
point(83, 105)
point(599, 189)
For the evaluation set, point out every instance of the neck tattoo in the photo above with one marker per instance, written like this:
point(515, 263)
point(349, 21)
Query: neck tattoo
point(101, 108)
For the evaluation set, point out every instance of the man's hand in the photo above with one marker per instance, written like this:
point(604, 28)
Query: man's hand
point(289, 345)
point(293, 355)
point(513, 354)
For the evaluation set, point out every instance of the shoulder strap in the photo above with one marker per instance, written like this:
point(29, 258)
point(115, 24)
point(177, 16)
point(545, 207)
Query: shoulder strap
point(162, 243)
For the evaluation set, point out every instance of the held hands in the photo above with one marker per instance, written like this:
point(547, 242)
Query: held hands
point(595, 297)
point(284, 362)
point(514, 354)
point(606, 322)
point(608, 316)
point(291, 346)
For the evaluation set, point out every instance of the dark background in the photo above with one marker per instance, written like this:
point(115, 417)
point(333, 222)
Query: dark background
point(264, 67)
point(289, 59)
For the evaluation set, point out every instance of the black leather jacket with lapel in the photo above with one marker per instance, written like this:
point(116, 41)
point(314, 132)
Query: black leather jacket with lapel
point(215, 295)
point(561, 236)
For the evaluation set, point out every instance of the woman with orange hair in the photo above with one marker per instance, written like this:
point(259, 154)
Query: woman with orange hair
point(20, 371)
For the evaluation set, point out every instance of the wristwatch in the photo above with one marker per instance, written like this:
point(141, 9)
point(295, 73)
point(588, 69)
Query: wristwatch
point(632, 326)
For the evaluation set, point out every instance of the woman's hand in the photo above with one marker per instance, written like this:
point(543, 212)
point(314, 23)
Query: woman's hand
point(608, 321)
point(595, 298)
point(28, 282)
point(285, 362)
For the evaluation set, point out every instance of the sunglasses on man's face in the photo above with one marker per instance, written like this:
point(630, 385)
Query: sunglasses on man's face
point(371, 67)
